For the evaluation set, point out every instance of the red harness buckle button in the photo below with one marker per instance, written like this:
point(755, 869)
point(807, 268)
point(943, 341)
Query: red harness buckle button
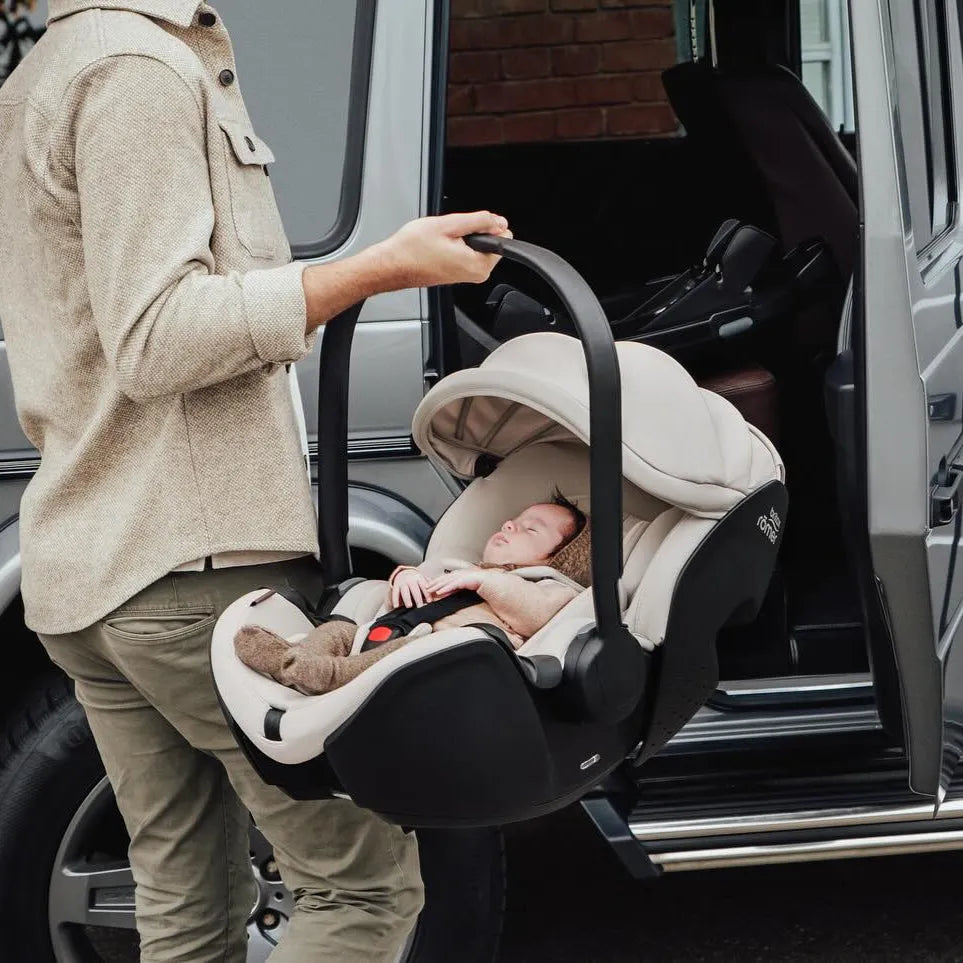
point(380, 633)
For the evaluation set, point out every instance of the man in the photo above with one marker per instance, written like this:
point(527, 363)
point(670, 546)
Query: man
point(150, 309)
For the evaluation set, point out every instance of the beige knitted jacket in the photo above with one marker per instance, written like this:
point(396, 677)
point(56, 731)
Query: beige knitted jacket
point(149, 306)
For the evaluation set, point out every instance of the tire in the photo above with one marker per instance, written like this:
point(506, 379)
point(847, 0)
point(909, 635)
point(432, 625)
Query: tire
point(48, 764)
point(57, 812)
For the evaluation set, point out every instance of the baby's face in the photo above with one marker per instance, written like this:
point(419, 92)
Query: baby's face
point(531, 537)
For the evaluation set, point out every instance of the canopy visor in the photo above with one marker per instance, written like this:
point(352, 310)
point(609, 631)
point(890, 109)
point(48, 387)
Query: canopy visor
point(681, 443)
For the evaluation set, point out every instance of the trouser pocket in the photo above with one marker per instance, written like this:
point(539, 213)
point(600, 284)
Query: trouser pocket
point(157, 626)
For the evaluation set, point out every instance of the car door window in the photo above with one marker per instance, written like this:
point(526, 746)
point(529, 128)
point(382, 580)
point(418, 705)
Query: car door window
point(309, 105)
point(925, 116)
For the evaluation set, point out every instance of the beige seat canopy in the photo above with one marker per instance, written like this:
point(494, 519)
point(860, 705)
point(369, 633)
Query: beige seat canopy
point(681, 444)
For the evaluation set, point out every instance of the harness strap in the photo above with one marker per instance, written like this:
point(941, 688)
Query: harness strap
point(402, 620)
point(320, 610)
point(296, 598)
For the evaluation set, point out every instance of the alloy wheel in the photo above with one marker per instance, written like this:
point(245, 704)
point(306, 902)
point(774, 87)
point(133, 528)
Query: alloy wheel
point(91, 901)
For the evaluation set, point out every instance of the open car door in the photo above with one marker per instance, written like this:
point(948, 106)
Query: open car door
point(908, 75)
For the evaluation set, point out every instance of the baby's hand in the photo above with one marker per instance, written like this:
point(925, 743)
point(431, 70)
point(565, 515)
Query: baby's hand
point(409, 588)
point(470, 579)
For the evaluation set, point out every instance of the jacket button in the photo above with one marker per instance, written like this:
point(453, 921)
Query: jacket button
point(249, 142)
point(226, 77)
point(207, 19)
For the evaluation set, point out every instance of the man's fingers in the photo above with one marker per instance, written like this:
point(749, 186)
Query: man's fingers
point(477, 222)
point(406, 596)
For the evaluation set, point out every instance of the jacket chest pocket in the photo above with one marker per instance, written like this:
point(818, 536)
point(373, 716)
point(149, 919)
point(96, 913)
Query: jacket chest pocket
point(253, 207)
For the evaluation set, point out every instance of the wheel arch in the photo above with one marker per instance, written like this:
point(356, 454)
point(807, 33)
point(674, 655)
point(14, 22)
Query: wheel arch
point(9, 561)
point(383, 523)
point(22, 645)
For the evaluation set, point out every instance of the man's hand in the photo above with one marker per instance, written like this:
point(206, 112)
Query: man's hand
point(424, 252)
point(431, 251)
point(409, 588)
point(470, 579)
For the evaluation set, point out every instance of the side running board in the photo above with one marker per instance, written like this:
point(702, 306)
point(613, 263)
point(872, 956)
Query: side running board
point(648, 846)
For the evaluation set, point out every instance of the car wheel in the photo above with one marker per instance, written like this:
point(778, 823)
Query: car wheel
point(65, 879)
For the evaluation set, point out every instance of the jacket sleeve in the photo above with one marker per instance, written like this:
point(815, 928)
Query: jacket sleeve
point(168, 324)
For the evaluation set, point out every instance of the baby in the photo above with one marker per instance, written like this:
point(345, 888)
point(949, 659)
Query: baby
point(553, 534)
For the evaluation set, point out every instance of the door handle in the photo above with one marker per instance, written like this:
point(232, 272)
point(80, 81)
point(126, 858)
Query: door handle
point(945, 497)
point(941, 407)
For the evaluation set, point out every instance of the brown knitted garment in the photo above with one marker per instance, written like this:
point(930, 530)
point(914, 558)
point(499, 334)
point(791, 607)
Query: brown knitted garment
point(318, 663)
point(574, 559)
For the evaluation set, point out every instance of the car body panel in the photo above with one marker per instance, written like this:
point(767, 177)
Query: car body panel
point(914, 353)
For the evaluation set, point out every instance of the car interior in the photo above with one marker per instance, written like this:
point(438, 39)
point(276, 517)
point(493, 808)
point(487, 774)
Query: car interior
point(729, 243)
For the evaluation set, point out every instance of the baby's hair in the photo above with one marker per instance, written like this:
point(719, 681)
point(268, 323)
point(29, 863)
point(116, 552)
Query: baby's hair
point(578, 516)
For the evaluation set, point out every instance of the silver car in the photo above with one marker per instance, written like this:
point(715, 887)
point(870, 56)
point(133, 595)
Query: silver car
point(766, 189)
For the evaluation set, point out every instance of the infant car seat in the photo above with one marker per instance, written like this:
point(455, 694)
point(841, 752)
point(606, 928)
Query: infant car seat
point(458, 728)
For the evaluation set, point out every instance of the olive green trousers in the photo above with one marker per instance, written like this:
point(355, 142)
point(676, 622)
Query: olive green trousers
point(142, 674)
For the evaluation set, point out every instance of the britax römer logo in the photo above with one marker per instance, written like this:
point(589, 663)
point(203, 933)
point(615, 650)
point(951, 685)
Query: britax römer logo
point(769, 526)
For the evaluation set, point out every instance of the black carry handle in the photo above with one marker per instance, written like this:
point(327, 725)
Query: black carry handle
point(605, 413)
point(333, 382)
point(605, 425)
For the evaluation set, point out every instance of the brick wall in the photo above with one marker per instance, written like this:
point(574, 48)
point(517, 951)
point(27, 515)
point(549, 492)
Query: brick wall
point(528, 70)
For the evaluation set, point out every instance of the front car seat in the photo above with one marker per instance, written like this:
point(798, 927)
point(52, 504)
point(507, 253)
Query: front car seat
point(764, 118)
point(775, 153)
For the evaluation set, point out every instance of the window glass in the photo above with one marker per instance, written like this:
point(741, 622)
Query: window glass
point(932, 39)
point(294, 64)
point(925, 120)
point(691, 29)
point(826, 60)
